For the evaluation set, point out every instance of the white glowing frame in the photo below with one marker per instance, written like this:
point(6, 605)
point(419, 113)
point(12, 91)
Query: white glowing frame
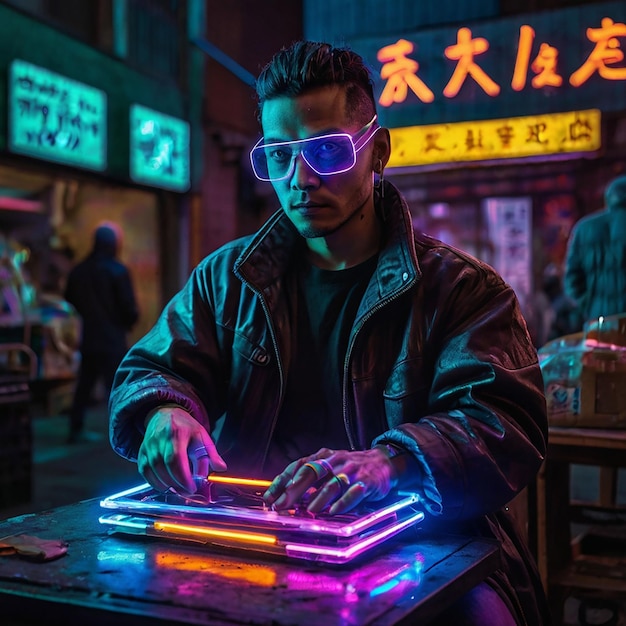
point(369, 130)
point(328, 539)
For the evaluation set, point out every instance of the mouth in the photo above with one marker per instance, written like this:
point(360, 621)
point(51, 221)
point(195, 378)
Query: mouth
point(307, 207)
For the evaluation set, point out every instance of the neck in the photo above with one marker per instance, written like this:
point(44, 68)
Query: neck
point(347, 246)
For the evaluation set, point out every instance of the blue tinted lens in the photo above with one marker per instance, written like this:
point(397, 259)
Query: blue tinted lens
point(272, 162)
point(328, 154)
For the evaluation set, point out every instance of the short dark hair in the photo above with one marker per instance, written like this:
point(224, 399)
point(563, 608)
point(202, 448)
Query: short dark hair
point(306, 65)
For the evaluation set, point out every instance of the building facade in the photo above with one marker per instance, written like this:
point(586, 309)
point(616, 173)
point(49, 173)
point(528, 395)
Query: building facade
point(507, 119)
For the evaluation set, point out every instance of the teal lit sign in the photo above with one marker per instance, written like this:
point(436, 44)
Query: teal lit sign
point(55, 118)
point(159, 149)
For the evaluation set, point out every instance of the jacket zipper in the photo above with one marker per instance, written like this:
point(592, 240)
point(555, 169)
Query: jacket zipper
point(281, 374)
point(346, 364)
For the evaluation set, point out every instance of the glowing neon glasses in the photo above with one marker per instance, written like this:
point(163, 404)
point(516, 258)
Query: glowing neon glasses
point(325, 155)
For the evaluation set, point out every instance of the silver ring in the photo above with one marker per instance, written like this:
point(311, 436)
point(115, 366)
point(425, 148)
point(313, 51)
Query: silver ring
point(344, 482)
point(319, 470)
point(326, 465)
point(200, 451)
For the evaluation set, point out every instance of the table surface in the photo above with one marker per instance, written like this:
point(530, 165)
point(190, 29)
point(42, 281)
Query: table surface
point(110, 578)
point(590, 437)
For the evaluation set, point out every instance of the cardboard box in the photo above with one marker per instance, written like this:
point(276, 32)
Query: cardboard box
point(596, 399)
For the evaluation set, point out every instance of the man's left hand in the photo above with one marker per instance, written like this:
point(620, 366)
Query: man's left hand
point(333, 480)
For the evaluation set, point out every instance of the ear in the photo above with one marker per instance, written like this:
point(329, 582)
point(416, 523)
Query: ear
point(382, 150)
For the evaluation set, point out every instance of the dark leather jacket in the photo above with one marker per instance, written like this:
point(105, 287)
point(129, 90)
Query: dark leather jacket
point(439, 362)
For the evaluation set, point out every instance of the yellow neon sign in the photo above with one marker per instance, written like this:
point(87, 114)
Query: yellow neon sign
point(553, 133)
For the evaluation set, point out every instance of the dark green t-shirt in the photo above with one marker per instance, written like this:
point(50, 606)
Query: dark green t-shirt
point(325, 306)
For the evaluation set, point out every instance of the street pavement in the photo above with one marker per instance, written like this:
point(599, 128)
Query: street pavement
point(64, 473)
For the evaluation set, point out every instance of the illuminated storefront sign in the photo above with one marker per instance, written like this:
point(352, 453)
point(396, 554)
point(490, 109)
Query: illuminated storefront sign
point(55, 118)
point(555, 133)
point(400, 72)
point(510, 230)
point(159, 149)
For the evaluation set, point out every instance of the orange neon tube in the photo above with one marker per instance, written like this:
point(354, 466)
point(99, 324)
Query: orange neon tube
point(232, 480)
point(181, 529)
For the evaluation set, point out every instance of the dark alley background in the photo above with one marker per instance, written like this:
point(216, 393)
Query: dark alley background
point(64, 473)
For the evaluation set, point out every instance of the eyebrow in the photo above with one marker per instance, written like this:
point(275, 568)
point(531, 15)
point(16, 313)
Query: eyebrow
point(337, 131)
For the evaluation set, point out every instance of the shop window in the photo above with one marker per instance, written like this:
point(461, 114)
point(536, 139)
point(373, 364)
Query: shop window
point(460, 225)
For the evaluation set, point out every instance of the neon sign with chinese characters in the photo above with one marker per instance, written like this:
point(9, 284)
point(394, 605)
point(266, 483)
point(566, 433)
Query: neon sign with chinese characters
point(55, 118)
point(400, 72)
point(159, 149)
point(555, 133)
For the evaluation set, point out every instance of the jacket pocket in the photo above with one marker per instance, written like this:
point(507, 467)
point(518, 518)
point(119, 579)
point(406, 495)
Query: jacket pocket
point(250, 351)
point(405, 394)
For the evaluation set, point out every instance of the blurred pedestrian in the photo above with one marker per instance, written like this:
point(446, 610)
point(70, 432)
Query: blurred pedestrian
point(561, 315)
point(101, 290)
point(595, 265)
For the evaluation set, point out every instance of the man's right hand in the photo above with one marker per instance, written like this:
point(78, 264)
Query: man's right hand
point(176, 448)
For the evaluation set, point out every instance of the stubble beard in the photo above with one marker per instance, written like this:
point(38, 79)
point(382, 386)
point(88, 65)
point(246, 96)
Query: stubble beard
point(309, 231)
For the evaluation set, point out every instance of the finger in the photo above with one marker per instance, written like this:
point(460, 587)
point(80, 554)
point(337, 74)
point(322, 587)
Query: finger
point(199, 458)
point(282, 481)
point(332, 490)
point(216, 462)
point(179, 469)
point(350, 499)
point(277, 487)
point(306, 476)
point(150, 475)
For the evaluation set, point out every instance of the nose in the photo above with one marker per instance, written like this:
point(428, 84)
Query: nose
point(303, 176)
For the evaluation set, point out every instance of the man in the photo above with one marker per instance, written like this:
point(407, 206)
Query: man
point(337, 348)
point(595, 263)
point(101, 291)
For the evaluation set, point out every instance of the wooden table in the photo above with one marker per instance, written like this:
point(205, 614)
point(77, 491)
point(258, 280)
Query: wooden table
point(119, 579)
point(556, 510)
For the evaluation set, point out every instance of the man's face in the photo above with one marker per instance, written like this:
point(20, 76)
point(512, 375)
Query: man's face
point(319, 205)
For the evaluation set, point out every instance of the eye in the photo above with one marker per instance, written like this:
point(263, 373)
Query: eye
point(278, 154)
point(327, 148)
point(331, 150)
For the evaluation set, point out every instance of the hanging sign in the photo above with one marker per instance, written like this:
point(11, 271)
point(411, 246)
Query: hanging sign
point(159, 149)
point(537, 135)
point(56, 118)
point(510, 233)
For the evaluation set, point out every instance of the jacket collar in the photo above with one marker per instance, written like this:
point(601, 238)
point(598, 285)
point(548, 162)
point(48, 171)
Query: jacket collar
point(269, 253)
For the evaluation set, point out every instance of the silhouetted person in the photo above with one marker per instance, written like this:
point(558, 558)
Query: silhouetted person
point(563, 315)
point(595, 265)
point(101, 290)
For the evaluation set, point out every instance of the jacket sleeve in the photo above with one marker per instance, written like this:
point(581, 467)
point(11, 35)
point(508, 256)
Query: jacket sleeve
point(483, 436)
point(176, 362)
